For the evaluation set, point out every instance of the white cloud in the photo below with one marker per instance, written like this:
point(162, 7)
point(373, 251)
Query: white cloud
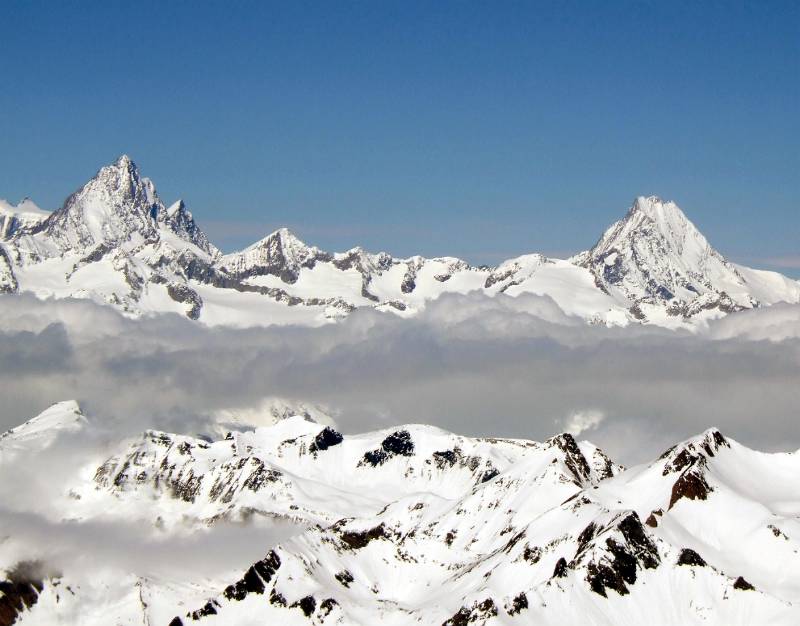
point(469, 363)
point(776, 323)
point(582, 421)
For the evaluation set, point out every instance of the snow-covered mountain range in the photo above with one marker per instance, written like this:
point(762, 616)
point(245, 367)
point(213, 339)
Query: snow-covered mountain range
point(414, 525)
point(114, 241)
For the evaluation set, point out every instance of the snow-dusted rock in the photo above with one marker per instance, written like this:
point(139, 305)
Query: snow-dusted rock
point(656, 256)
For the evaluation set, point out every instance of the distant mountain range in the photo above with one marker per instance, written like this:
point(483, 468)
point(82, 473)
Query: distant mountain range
point(115, 242)
point(415, 525)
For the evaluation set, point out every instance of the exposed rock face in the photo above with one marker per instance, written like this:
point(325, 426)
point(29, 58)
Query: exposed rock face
point(398, 443)
point(478, 612)
point(20, 591)
point(355, 540)
point(691, 558)
point(560, 570)
point(254, 578)
point(188, 296)
point(8, 282)
point(405, 538)
point(691, 485)
point(17, 597)
point(327, 438)
point(689, 461)
point(514, 272)
point(575, 460)
point(612, 554)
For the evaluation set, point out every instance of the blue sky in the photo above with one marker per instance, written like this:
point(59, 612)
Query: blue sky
point(482, 130)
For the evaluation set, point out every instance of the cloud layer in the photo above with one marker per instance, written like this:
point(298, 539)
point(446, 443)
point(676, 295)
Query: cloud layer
point(471, 364)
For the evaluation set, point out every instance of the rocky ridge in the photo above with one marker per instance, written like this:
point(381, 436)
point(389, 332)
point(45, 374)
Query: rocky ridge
point(116, 242)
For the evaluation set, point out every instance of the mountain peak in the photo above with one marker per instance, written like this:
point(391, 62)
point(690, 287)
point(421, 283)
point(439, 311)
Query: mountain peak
point(662, 212)
point(124, 161)
point(286, 235)
point(116, 204)
point(281, 253)
point(283, 238)
point(180, 220)
point(123, 170)
point(59, 418)
point(653, 206)
point(177, 207)
point(671, 224)
point(655, 255)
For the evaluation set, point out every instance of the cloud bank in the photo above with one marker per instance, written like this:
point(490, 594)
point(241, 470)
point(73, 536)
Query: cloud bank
point(503, 366)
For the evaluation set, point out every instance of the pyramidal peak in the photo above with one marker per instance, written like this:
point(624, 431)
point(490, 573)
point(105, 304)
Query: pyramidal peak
point(680, 233)
point(656, 255)
point(117, 208)
point(661, 223)
point(654, 207)
point(287, 237)
point(280, 253)
point(115, 205)
point(281, 242)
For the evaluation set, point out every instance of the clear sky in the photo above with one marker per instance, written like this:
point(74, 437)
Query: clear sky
point(482, 130)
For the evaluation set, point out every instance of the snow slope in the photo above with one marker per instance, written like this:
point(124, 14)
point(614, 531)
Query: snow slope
point(417, 525)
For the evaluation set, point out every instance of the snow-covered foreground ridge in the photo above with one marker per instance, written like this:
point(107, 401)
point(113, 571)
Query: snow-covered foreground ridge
point(114, 241)
point(408, 525)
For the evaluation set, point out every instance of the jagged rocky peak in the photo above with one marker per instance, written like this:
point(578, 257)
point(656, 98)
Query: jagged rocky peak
point(655, 255)
point(118, 206)
point(584, 469)
point(365, 262)
point(279, 254)
point(688, 462)
point(654, 227)
point(652, 215)
point(112, 207)
point(698, 449)
point(180, 220)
